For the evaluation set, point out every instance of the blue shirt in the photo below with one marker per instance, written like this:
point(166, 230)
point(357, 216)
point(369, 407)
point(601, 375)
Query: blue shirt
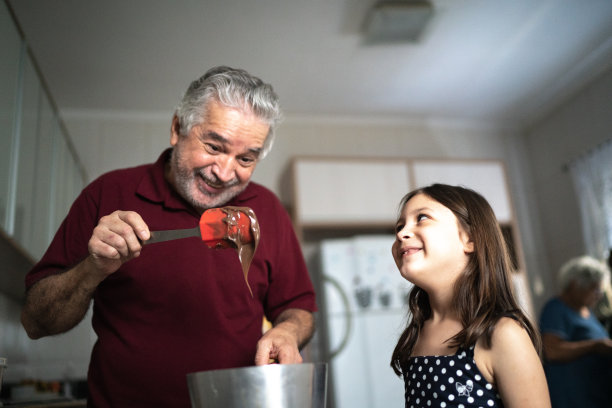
point(584, 382)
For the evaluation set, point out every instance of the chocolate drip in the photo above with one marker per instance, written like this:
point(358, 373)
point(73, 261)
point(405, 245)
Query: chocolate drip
point(245, 243)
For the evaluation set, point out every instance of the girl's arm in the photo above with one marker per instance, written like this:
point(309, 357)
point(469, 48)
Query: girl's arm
point(516, 367)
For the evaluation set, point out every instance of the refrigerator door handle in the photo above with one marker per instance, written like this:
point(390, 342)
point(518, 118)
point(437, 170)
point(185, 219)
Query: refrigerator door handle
point(347, 313)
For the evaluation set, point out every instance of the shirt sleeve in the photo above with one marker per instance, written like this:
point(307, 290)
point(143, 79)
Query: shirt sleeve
point(555, 320)
point(69, 245)
point(290, 283)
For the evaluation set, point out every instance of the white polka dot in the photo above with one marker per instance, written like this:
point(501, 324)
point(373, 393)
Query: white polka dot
point(479, 393)
point(461, 406)
point(426, 361)
point(410, 368)
point(442, 387)
point(467, 367)
point(413, 376)
point(443, 404)
point(435, 378)
point(471, 400)
point(418, 384)
point(428, 403)
point(435, 394)
point(430, 369)
point(412, 392)
point(437, 362)
point(452, 363)
point(459, 373)
point(451, 380)
point(488, 386)
point(424, 376)
point(477, 377)
point(420, 368)
point(490, 403)
point(444, 371)
point(470, 382)
point(451, 397)
point(418, 400)
point(429, 386)
point(422, 393)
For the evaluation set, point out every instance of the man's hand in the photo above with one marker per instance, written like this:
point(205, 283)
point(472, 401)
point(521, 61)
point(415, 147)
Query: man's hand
point(116, 239)
point(282, 343)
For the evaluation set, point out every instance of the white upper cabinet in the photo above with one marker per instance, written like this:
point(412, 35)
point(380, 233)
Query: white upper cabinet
point(485, 177)
point(348, 192)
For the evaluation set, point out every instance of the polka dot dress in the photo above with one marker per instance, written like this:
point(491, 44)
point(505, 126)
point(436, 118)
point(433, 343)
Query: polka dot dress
point(448, 382)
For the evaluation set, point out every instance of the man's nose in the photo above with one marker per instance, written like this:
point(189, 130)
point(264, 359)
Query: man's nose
point(225, 168)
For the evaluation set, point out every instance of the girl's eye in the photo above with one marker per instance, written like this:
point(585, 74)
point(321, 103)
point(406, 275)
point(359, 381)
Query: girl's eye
point(398, 227)
point(421, 217)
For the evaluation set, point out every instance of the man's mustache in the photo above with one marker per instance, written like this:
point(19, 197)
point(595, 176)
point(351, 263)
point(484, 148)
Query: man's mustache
point(215, 182)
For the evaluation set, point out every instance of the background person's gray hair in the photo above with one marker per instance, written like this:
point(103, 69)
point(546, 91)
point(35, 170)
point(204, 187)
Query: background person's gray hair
point(584, 270)
point(235, 88)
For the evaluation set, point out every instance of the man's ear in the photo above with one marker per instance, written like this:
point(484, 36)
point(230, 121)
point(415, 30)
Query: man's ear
point(175, 130)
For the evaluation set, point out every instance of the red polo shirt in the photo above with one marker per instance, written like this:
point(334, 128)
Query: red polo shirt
point(180, 307)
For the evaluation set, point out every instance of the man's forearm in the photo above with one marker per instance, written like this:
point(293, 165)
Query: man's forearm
point(298, 321)
point(58, 302)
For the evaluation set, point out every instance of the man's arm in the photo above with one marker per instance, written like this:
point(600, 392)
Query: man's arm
point(292, 330)
point(59, 302)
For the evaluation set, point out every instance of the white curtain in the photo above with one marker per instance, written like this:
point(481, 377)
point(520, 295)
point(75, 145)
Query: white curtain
point(592, 178)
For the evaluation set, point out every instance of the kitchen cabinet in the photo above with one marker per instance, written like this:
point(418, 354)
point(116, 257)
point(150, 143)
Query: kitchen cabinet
point(40, 174)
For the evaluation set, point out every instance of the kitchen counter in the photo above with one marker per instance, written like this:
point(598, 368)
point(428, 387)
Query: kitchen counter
point(48, 404)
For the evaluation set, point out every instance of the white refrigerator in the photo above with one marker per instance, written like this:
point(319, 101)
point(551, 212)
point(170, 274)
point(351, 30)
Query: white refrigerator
point(365, 311)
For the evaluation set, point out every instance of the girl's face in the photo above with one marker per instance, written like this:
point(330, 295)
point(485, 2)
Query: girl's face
point(431, 249)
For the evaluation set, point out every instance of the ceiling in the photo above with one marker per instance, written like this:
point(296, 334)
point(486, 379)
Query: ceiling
point(502, 62)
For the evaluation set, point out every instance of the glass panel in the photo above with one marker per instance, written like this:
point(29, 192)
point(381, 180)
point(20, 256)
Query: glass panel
point(10, 50)
point(26, 165)
point(41, 234)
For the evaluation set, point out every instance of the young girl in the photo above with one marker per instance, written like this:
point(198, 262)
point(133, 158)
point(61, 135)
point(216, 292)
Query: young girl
point(468, 343)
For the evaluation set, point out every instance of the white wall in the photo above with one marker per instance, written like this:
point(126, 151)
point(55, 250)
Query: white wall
point(578, 125)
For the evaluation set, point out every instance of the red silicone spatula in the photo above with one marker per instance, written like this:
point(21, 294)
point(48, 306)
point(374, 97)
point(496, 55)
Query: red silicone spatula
point(218, 227)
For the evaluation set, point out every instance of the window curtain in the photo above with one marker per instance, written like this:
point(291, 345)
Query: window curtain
point(592, 178)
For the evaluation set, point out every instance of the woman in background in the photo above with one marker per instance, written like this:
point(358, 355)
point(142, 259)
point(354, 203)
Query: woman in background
point(468, 343)
point(577, 349)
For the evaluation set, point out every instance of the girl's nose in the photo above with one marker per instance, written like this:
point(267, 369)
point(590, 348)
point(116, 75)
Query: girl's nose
point(404, 233)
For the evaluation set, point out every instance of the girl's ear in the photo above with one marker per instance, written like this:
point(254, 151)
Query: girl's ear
point(468, 244)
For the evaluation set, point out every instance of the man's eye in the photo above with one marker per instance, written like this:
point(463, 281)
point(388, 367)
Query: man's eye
point(212, 148)
point(247, 161)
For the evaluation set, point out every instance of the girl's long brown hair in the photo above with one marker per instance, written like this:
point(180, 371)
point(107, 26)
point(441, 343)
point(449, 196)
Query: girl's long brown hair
point(483, 293)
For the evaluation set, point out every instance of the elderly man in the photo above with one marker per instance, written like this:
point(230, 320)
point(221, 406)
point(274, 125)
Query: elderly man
point(167, 309)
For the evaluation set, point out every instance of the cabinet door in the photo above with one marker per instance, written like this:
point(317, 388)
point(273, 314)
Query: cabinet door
point(332, 192)
point(10, 51)
point(486, 177)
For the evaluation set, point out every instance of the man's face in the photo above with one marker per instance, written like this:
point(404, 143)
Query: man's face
point(215, 161)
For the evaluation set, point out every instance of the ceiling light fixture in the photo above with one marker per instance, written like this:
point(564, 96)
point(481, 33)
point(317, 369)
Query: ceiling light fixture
point(392, 21)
